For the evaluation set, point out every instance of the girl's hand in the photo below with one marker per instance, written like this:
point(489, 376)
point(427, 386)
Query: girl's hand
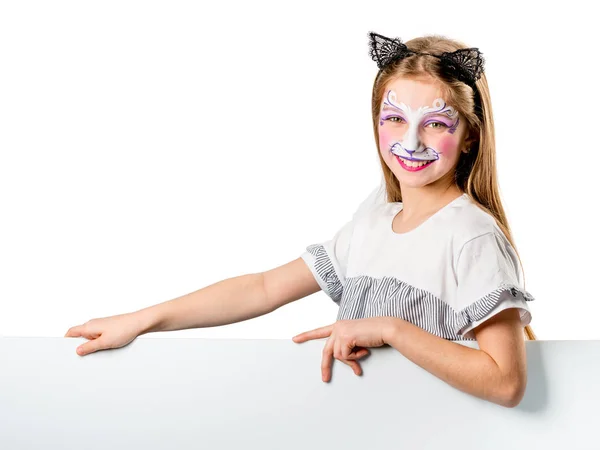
point(347, 341)
point(107, 332)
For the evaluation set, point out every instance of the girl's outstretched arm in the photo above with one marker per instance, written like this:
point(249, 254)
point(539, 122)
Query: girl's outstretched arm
point(496, 372)
point(233, 300)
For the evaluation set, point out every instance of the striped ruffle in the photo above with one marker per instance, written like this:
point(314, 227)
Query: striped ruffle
point(481, 308)
point(324, 268)
point(366, 296)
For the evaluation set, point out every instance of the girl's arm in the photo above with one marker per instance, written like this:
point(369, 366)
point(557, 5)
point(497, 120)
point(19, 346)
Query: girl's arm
point(232, 300)
point(496, 372)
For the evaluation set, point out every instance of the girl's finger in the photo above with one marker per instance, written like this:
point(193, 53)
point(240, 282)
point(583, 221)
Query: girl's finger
point(74, 331)
point(86, 330)
point(358, 354)
point(337, 349)
point(355, 366)
point(317, 333)
point(347, 349)
point(91, 346)
point(327, 360)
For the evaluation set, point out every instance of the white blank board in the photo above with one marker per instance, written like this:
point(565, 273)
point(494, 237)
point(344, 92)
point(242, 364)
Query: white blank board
point(170, 393)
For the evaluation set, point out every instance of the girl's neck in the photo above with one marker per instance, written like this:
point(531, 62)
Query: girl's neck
point(419, 202)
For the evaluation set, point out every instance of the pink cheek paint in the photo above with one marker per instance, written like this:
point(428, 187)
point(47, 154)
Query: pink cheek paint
point(447, 145)
point(384, 138)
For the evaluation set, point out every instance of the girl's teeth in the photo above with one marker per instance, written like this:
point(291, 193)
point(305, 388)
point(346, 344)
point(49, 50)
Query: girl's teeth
point(414, 163)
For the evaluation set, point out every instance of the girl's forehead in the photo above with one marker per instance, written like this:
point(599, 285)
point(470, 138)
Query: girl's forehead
point(415, 93)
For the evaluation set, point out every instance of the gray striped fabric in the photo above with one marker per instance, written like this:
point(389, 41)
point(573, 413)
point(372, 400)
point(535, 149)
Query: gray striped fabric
point(324, 268)
point(365, 296)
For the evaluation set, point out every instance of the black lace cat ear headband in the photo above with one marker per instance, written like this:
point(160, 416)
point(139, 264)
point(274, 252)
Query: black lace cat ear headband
point(465, 64)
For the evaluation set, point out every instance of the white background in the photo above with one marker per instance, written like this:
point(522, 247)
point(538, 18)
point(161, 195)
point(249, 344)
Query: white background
point(149, 149)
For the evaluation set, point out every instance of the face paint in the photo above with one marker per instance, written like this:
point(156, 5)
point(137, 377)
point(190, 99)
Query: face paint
point(446, 144)
point(411, 148)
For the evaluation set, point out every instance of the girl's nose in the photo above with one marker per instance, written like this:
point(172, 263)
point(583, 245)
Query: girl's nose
point(411, 142)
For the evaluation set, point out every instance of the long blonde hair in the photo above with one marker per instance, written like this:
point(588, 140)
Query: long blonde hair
point(476, 170)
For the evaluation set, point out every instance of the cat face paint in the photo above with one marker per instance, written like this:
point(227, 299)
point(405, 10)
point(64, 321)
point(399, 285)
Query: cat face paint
point(416, 126)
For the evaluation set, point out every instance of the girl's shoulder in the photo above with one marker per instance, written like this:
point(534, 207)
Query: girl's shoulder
point(468, 221)
point(372, 204)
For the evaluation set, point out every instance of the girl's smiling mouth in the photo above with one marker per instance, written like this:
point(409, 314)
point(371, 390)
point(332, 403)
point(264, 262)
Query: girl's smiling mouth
point(414, 165)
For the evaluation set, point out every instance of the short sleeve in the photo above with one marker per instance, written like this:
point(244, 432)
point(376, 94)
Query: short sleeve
point(328, 260)
point(489, 280)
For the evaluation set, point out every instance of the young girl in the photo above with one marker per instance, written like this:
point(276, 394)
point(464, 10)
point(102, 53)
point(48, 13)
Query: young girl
point(430, 262)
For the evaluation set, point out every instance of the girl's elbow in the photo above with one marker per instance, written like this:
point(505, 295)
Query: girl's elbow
point(514, 393)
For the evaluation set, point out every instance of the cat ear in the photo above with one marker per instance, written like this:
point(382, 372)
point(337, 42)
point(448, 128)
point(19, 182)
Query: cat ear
point(465, 64)
point(384, 50)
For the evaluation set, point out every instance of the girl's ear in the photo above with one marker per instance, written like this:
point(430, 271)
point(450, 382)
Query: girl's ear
point(469, 140)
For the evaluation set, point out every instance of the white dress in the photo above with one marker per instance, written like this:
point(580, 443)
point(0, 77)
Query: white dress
point(447, 276)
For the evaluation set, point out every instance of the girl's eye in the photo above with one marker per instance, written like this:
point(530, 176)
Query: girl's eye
point(441, 125)
point(400, 120)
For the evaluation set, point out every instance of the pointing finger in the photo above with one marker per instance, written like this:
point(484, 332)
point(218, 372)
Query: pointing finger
point(317, 333)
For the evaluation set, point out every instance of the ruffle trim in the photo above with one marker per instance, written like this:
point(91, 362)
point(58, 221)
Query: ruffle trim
point(366, 296)
point(326, 271)
point(481, 308)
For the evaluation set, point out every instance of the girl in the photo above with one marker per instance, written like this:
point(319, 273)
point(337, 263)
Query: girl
point(431, 263)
